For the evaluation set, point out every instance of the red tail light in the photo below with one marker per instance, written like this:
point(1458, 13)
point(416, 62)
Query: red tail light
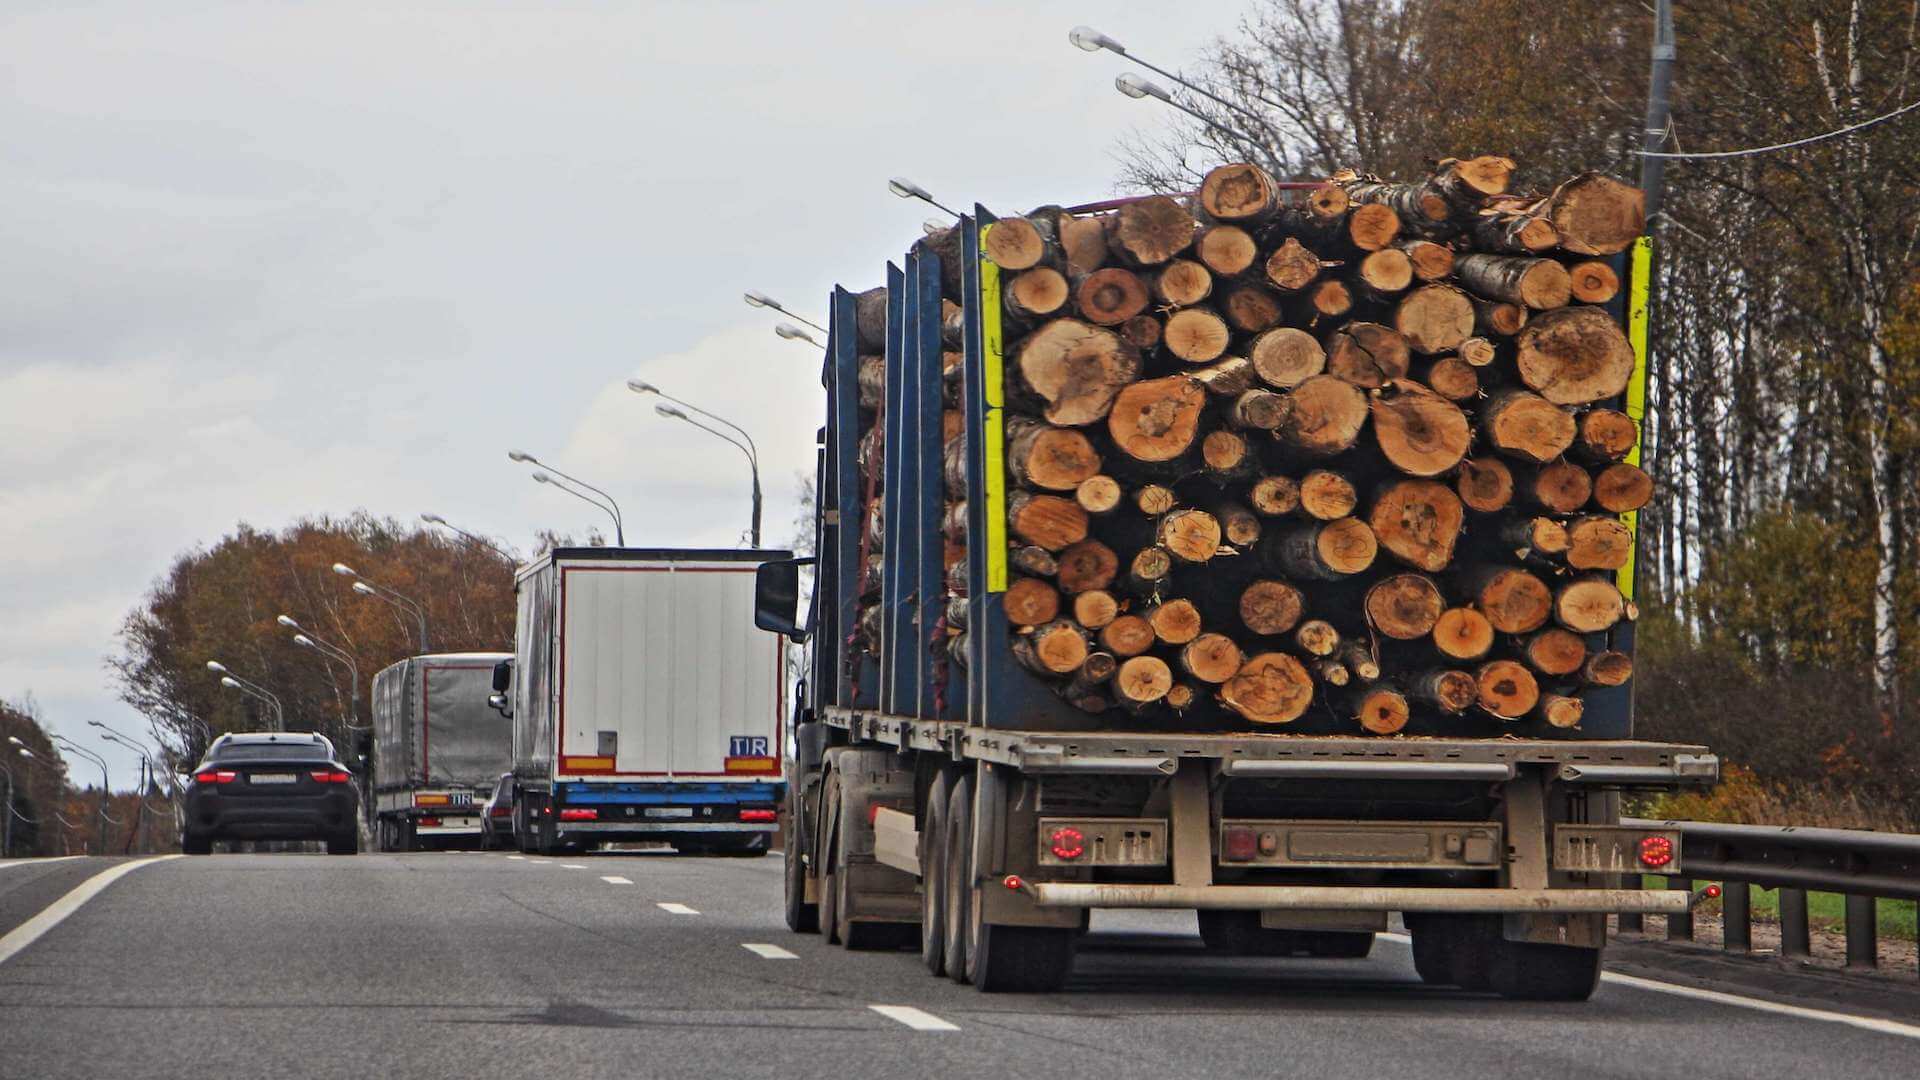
point(758, 815)
point(1240, 844)
point(429, 822)
point(501, 811)
point(1067, 843)
point(576, 814)
point(324, 776)
point(1656, 850)
point(216, 776)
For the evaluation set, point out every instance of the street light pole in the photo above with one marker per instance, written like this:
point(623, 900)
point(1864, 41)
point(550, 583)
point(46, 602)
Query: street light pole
point(1091, 40)
point(753, 462)
point(790, 332)
point(233, 682)
point(106, 786)
point(907, 189)
point(612, 507)
point(6, 830)
point(307, 639)
point(436, 519)
point(619, 533)
point(1136, 87)
point(146, 773)
point(760, 299)
point(753, 451)
point(367, 588)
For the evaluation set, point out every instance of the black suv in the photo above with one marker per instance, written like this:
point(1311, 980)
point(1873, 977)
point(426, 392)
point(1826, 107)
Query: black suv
point(271, 786)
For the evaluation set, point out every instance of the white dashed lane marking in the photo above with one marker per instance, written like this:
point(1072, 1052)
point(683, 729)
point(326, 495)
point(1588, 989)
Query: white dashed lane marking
point(572, 866)
point(914, 1018)
point(769, 952)
point(517, 858)
point(616, 880)
point(676, 909)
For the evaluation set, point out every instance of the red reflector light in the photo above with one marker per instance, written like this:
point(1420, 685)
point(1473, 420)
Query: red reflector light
point(429, 823)
point(1713, 892)
point(323, 776)
point(1656, 850)
point(501, 811)
point(578, 814)
point(1013, 882)
point(758, 815)
point(1240, 844)
point(1067, 843)
point(216, 776)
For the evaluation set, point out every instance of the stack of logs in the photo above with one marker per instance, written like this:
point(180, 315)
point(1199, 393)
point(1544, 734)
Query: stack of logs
point(1352, 444)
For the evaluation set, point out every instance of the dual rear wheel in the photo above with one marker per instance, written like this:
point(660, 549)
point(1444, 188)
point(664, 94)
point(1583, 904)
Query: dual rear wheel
point(1469, 951)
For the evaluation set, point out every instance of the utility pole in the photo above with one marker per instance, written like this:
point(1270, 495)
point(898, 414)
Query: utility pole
point(1656, 138)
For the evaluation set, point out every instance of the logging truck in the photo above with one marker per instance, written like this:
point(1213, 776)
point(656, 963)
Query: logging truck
point(645, 705)
point(436, 750)
point(1264, 552)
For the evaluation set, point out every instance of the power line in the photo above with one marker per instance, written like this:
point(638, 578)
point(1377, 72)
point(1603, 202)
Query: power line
point(1808, 141)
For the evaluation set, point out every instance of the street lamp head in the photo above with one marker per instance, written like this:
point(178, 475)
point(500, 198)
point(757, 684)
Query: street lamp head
point(1136, 87)
point(303, 640)
point(520, 455)
point(28, 754)
point(216, 666)
point(230, 682)
point(363, 588)
point(907, 189)
point(95, 723)
point(287, 621)
point(344, 570)
point(641, 386)
point(542, 478)
point(760, 299)
point(15, 740)
point(1086, 37)
point(670, 412)
point(794, 333)
point(433, 519)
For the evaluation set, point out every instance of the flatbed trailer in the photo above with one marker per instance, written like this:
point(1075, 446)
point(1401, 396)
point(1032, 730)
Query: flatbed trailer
point(958, 802)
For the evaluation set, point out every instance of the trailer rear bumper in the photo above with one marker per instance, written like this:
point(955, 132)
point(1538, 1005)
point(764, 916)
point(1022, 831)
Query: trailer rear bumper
point(1358, 898)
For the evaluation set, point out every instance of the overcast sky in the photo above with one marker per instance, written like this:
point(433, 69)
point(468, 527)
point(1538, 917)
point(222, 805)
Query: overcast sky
point(267, 260)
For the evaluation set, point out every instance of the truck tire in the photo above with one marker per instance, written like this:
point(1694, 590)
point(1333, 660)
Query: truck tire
point(346, 843)
point(196, 844)
point(1011, 959)
point(824, 855)
point(956, 858)
point(1432, 956)
point(933, 877)
point(1336, 944)
point(1456, 950)
point(1533, 971)
point(802, 917)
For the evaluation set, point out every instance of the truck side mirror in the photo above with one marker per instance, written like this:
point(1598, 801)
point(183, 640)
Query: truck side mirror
point(502, 676)
point(498, 703)
point(363, 744)
point(776, 597)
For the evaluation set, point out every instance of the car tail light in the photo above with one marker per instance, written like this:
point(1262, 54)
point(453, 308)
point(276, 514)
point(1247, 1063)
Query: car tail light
point(578, 814)
point(325, 776)
point(1656, 851)
point(1239, 844)
point(216, 776)
point(501, 811)
point(429, 822)
point(758, 815)
point(1067, 843)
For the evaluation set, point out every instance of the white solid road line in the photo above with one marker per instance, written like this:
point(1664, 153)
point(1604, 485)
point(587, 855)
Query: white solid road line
point(516, 858)
point(914, 1018)
point(4, 864)
point(1719, 997)
point(617, 880)
point(676, 909)
point(572, 866)
point(770, 952)
point(55, 913)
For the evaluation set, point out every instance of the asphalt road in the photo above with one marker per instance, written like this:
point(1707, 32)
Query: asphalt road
point(645, 965)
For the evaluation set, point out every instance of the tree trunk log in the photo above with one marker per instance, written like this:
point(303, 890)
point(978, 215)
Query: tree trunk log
point(1095, 608)
point(1325, 416)
point(1574, 356)
point(1452, 378)
point(1251, 308)
point(1317, 637)
point(1526, 425)
point(1535, 536)
point(1126, 635)
point(1326, 495)
point(1269, 607)
point(1015, 243)
point(1270, 688)
point(1539, 284)
point(1559, 487)
point(1174, 622)
point(1330, 672)
point(1372, 227)
point(1368, 355)
point(1036, 294)
point(1588, 605)
point(1075, 371)
point(870, 320)
point(1110, 296)
point(1604, 436)
point(1463, 633)
point(1284, 357)
point(1419, 432)
point(1608, 668)
point(1047, 521)
point(1484, 484)
point(1084, 241)
point(1141, 681)
point(1190, 536)
point(1381, 710)
point(1555, 652)
point(1405, 607)
point(1238, 525)
point(1228, 378)
point(1239, 192)
point(1087, 565)
point(1212, 658)
point(1154, 500)
point(1385, 274)
point(1431, 261)
point(1274, 496)
point(1098, 495)
point(1478, 351)
point(1037, 561)
point(1622, 488)
point(1227, 250)
point(1507, 689)
point(1599, 543)
point(1492, 318)
point(1513, 600)
point(1157, 419)
point(1514, 231)
point(1324, 551)
point(1593, 282)
point(1058, 648)
point(1182, 283)
point(1597, 215)
point(871, 378)
point(1447, 689)
point(1148, 569)
point(1418, 522)
point(1291, 267)
point(1030, 602)
point(1469, 182)
point(1360, 660)
point(1149, 231)
point(1259, 410)
point(1142, 332)
point(1561, 711)
point(1434, 319)
point(1196, 335)
point(1053, 458)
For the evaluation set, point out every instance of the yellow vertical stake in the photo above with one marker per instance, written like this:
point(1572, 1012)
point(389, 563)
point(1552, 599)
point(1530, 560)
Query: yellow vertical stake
point(1641, 275)
point(993, 440)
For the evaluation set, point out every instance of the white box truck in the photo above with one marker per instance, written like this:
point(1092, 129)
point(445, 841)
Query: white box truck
point(437, 749)
point(645, 704)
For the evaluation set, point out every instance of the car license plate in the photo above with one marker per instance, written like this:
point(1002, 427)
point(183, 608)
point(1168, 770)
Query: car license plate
point(669, 811)
point(271, 778)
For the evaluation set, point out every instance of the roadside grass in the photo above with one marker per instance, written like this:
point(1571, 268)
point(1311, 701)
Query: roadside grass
point(1825, 911)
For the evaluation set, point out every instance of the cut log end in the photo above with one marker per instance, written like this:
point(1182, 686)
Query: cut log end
point(1175, 622)
point(1030, 602)
point(1382, 711)
point(1463, 633)
point(1127, 635)
point(1434, 319)
point(1622, 488)
point(1419, 432)
point(1277, 495)
point(1156, 420)
point(1484, 484)
point(1514, 601)
point(1239, 192)
point(1211, 658)
point(1196, 335)
point(1014, 244)
point(1507, 689)
point(1418, 522)
point(1285, 357)
point(1098, 494)
point(1142, 680)
point(1270, 688)
point(1554, 651)
point(1269, 607)
point(1561, 711)
point(1404, 607)
point(1326, 495)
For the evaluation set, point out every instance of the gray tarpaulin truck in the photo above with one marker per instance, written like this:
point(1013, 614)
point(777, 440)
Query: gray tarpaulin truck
point(438, 749)
point(940, 790)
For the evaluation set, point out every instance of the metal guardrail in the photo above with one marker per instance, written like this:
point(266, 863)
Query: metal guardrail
point(1864, 867)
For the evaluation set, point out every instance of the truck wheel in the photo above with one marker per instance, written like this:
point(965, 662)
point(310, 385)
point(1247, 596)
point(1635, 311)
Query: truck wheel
point(933, 878)
point(1456, 950)
point(346, 843)
point(956, 858)
point(196, 844)
point(802, 917)
point(824, 854)
point(1533, 971)
point(1336, 944)
point(1021, 959)
point(1432, 953)
point(1239, 933)
point(408, 839)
